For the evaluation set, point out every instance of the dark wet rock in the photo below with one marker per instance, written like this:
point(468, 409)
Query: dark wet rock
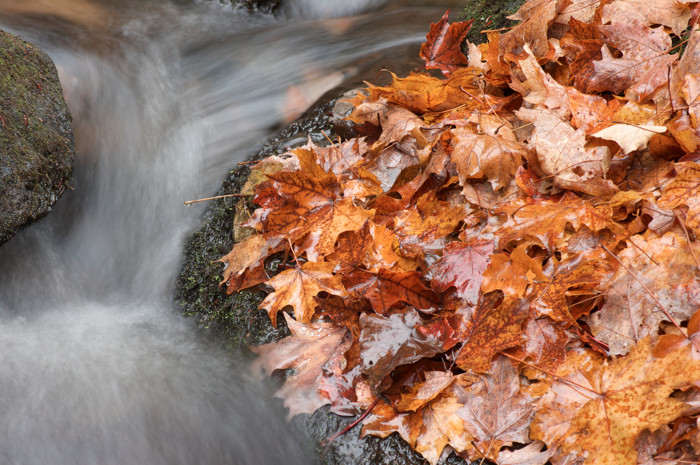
point(36, 139)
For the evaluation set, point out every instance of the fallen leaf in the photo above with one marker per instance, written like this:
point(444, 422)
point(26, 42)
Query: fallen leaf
point(629, 137)
point(684, 190)
point(306, 351)
point(442, 50)
point(625, 397)
point(485, 156)
point(667, 12)
point(545, 221)
point(656, 271)
point(536, 16)
point(544, 346)
point(461, 266)
point(490, 327)
point(298, 287)
point(386, 288)
point(508, 273)
point(387, 342)
point(587, 273)
point(644, 64)
point(563, 154)
point(498, 412)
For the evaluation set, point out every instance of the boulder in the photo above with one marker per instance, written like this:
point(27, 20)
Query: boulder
point(36, 139)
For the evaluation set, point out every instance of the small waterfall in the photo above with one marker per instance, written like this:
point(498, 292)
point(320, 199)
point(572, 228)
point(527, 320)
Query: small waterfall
point(97, 366)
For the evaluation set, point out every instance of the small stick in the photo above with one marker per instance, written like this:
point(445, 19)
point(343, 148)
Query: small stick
point(3, 121)
point(249, 162)
point(564, 380)
point(670, 95)
point(351, 425)
point(687, 237)
point(190, 202)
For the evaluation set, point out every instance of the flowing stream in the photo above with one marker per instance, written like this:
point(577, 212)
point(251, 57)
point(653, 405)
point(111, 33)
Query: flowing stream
point(97, 367)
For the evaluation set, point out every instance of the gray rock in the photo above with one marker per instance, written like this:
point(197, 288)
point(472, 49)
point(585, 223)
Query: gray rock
point(36, 139)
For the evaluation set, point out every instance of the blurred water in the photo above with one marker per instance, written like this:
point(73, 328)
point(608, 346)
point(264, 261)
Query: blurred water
point(96, 365)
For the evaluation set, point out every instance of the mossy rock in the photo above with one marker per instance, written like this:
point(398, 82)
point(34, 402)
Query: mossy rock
point(36, 139)
point(488, 15)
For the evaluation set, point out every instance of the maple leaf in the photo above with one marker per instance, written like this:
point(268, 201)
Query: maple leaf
point(669, 342)
point(630, 137)
point(386, 288)
point(421, 93)
point(644, 63)
point(307, 351)
point(498, 412)
point(587, 273)
point(247, 255)
point(441, 426)
point(328, 222)
point(490, 327)
point(536, 16)
point(562, 153)
point(422, 228)
point(483, 155)
point(372, 246)
point(655, 271)
point(433, 426)
point(387, 342)
point(508, 272)
point(667, 12)
point(616, 402)
point(545, 344)
point(684, 190)
point(421, 393)
point(442, 50)
point(298, 287)
point(462, 265)
point(546, 220)
point(339, 158)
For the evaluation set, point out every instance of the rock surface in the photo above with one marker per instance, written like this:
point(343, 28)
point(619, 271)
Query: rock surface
point(36, 139)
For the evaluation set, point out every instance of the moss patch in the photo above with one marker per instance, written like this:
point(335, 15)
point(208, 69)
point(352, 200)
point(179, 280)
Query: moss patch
point(488, 15)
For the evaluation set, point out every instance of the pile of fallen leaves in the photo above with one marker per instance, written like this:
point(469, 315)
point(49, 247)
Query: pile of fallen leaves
point(504, 262)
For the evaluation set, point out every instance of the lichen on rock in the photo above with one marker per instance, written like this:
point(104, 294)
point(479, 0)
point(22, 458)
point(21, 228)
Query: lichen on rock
point(36, 139)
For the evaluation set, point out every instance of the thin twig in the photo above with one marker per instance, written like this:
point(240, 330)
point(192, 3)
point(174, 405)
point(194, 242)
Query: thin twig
point(190, 202)
point(687, 237)
point(568, 381)
point(353, 424)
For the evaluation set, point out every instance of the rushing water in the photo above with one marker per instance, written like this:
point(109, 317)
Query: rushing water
point(96, 365)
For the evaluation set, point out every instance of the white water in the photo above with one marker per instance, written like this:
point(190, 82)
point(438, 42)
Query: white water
point(96, 365)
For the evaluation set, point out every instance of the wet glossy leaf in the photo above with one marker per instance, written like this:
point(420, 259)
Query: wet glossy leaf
point(625, 397)
point(309, 350)
point(442, 50)
point(386, 288)
point(298, 287)
point(387, 342)
point(490, 327)
point(462, 266)
point(685, 190)
point(497, 412)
